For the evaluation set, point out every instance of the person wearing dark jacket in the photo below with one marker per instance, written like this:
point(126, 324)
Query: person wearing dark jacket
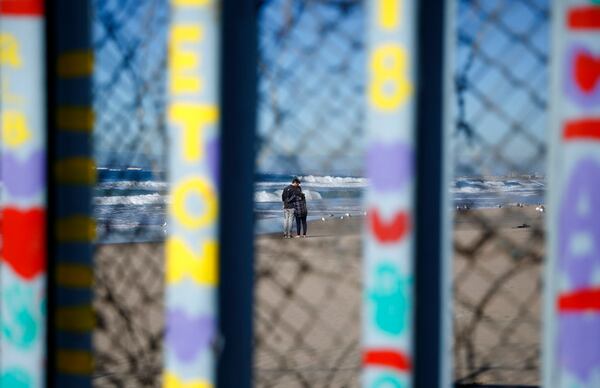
point(290, 195)
point(301, 212)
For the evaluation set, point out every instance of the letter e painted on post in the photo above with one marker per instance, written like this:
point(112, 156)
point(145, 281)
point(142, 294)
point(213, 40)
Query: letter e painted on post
point(184, 62)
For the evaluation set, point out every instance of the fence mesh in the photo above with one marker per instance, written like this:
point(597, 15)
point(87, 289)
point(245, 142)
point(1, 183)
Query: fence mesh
point(311, 110)
point(311, 85)
point(499, 146)
point(129, 39)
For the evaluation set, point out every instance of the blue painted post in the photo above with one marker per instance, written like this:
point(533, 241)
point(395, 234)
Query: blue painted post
point(192, 249)
point(72, 177)
point(388, 310)
point(23, 197)
point(572, 279)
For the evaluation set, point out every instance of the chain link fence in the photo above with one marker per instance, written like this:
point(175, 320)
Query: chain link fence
point(129, 41)
point(311, 112)
point(311, 115)
point(501, 80)
point(312, 80)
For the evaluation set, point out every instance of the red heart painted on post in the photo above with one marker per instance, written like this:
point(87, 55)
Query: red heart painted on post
point(24, 241)
point(587, 71)
point(392, 231)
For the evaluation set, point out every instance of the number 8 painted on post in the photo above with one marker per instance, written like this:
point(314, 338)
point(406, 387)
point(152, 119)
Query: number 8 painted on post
point(389, 66)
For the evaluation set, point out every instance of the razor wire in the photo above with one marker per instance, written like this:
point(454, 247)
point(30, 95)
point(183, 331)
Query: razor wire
point(501, 84)
point(129, 41)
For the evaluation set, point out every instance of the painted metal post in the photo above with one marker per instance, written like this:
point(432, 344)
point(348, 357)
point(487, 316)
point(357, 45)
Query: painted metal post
point(73, 176)
point(572, 308)
point(389, 237)
point(238, 102)
point(433, 266)
point(191, 248)
point(23, 206)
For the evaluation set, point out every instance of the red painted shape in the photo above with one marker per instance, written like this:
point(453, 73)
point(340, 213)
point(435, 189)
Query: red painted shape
point(24, 241)
point(584, 129)
point(387, 358)
point(389, 232)
point(22, 7)
point(584, 18)
point(587, 72)
point(580, 300)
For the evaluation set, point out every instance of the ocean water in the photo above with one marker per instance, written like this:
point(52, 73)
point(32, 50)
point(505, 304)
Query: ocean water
point(487, 192)
point(130, 204)
point(326, 196)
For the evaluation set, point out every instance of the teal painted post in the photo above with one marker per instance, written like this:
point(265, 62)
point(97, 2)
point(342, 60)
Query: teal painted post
point(191, 248)
point(572, 279)
point(23, 197)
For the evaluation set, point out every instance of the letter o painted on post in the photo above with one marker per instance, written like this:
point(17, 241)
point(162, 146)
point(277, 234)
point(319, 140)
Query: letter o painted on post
point(201, 188)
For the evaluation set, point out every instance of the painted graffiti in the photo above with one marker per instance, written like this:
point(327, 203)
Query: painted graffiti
point(390, 231)
point(582, 77)
point(191, 249)
point(24, 311)
point(387, 381)
point(390, 298)
point(189, 335)
point(579, 227)
point(387, 322)
point(573, 334)
point(22, 207)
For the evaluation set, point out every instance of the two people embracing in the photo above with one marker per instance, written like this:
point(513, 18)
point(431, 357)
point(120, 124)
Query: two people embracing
point(294, 207)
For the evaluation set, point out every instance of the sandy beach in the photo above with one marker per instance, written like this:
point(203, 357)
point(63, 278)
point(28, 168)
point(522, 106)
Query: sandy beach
point(497, 289)
point(307, 304)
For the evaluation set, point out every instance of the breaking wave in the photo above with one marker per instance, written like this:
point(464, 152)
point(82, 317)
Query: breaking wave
point(275, 196)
